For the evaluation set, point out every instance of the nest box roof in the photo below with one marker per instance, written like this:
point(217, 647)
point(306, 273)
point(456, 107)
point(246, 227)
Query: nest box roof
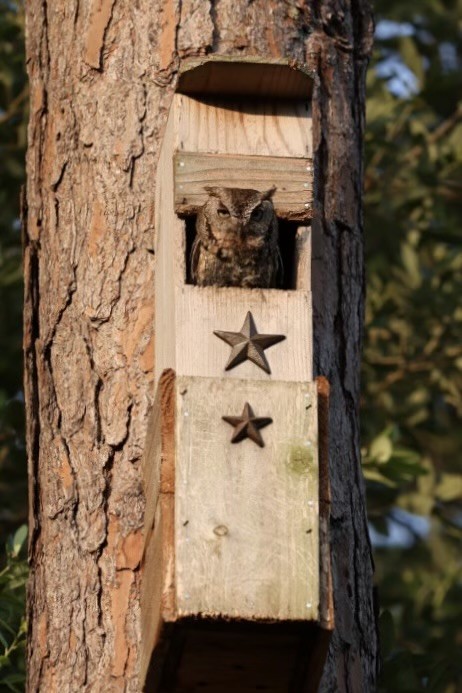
point(252, 76)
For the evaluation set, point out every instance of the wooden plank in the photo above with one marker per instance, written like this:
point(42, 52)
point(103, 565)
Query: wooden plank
point(150, 468)
point(152, 586)
point(158, 459)
point(201, 310)
point(241, 126)
point(302, 260)
point(292, 177)
point(246, 518)
point(169, 251)
point(326, 588)
point(255, 76)
point(158, 588)
point(224, 654)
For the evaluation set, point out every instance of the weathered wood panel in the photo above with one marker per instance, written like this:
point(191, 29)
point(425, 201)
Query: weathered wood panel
point(246, 518)
point(158, 589)
point(292, 177)
point(187, 315)
point(170, 251)
point(302, 259)
point(217, 651)
point(326, 605)
point(201, 310)
point(242, 126)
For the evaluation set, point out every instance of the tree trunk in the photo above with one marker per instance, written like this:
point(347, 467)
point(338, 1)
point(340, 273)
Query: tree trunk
point(102, 74)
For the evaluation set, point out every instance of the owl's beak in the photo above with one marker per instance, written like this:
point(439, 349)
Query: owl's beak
point(240, 228)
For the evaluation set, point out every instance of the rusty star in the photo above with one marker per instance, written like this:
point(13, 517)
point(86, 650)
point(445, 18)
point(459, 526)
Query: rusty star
point(247, 425)
point(248, 344)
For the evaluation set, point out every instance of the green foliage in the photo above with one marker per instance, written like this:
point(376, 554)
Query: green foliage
point(13, 99)
point(412, 373)
point(13, 578)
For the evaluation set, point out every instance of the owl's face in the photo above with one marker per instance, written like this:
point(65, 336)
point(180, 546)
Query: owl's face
point(239, 220)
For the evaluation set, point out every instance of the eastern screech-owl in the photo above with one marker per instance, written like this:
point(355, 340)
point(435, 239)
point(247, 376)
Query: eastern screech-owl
point(236, 240)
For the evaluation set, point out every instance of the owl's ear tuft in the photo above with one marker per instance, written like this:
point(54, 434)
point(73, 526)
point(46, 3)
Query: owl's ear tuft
point(268, 194)
point(213, 190)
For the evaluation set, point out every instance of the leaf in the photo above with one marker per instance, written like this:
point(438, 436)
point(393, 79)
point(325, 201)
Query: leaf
point(381, 448)
point(449, 487)
point(19, 539)
point(374, 475)
point(440, 675)
point(4, 661)
point(14, 678)
point(387, 632)
point(455, 141)
point(4, 641)
point(412, 58)
point(12, 687)
point(411, 263)
point(7, 627)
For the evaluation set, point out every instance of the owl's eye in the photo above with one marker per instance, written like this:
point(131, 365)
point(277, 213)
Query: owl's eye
point(257, 213)
point(223, 212)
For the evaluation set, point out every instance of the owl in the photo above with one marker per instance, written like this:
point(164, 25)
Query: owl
point(236, 240)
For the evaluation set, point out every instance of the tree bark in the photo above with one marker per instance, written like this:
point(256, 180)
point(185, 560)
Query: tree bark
point(102, 73)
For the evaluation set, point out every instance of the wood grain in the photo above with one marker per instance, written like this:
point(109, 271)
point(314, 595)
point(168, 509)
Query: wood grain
point(169, 244)
point(302, 260)
point(186, 315)
point(326, 615)
point(218, 125)
point(152, 586)
point(158, 565)
point(201, 310)
point(221, 487)
point(292, 177)
point(246, 518)
point(268, 133)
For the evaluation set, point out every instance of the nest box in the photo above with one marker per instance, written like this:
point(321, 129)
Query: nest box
point(236, 590)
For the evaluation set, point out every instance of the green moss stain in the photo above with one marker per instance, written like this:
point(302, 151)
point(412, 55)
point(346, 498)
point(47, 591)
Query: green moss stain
point(300, 459)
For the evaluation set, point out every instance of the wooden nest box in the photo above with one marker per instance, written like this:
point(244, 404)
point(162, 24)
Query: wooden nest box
point(236, 592)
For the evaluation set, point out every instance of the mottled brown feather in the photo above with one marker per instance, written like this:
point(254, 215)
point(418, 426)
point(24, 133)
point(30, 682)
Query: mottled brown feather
point(236, 240)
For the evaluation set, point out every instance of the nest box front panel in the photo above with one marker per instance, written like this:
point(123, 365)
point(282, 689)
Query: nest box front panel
point(204, 311)
point(244, 145)
point(240, 143)
point(246, 499)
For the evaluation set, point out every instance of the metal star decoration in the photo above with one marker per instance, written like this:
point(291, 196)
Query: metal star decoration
point(248, 344)
point(247, 425)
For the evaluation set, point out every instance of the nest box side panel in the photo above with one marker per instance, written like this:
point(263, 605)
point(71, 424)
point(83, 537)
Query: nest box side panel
point(202, 310)
point(326, 609)
point(157, 592)
point(263, 127)
point(246, 517)
point(169, 250)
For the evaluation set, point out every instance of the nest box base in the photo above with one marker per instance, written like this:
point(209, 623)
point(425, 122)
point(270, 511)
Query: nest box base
point(225, 657)
point(182, 648)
